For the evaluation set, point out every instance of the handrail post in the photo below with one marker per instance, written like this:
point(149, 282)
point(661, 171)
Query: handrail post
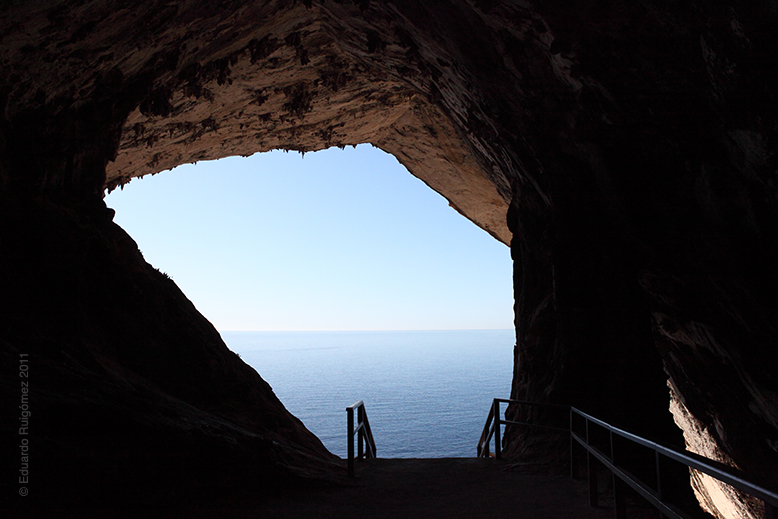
point(591, 470)
point(619, 487)
point(483, 443)
point(573, 464)
point(486, 453)
point(364, 435)
point(361, 432)
point(497, 440)
point(370, 450)
point(350, 436)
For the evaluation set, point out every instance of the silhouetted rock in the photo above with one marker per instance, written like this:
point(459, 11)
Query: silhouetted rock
point(627, 148)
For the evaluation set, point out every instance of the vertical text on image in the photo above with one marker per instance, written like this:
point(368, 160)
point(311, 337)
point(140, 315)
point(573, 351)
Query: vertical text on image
point(24, 424)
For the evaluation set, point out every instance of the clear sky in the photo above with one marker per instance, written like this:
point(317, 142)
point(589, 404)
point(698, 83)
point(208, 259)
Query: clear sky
point(333, 240)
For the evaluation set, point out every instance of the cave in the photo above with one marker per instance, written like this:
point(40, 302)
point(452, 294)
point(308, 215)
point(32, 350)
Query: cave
point(624, 150)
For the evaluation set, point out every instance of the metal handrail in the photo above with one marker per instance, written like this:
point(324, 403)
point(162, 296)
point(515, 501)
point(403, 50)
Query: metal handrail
point(691, 460)
point(486, 435)
point(493, 423)
point(712, 468)
point(366, 444)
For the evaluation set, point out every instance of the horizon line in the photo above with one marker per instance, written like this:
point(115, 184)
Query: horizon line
point(379, 330)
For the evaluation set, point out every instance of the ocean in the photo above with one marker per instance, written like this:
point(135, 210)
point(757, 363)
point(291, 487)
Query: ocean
point(427, 393)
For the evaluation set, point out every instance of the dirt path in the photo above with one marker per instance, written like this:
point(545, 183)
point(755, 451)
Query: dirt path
point(445, 488)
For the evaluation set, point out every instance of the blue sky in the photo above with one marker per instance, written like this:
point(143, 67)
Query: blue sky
point(333, 240)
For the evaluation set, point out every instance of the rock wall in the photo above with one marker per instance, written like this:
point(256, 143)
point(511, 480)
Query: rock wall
point(129, 397)
point(658, 252)
point(625, 150)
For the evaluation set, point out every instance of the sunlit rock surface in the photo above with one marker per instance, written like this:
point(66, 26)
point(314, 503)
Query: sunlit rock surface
point(626, 151)
point(715, 497)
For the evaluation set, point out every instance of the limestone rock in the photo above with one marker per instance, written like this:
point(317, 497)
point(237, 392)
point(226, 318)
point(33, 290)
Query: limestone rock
point(626, 150)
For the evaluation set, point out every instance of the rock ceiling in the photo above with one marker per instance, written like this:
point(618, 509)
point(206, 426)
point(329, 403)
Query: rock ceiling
point(625, 151)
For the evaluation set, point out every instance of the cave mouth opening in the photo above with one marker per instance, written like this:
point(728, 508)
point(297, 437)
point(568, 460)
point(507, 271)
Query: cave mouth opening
point(338, 276)
point(335, 98)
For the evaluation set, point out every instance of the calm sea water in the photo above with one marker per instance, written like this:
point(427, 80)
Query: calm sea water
point(427, 393)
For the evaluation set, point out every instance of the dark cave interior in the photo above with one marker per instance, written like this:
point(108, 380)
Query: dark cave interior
point(625, 151)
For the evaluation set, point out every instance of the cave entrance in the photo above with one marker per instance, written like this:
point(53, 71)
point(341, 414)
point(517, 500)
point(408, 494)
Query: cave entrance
point(339, 276)
point(310, 83)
